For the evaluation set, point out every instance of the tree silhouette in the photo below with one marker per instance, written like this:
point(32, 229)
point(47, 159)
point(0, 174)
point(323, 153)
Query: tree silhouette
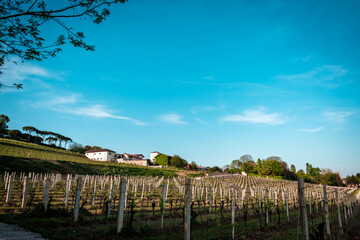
point(67, 139)
point(29, 130)
point(3, 121)
point(51, 140)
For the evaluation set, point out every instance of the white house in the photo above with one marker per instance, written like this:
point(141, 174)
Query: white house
point(105, 155)
point(153, 156)
point(137, 159)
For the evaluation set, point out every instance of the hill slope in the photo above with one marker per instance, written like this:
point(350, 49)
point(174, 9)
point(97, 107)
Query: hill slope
point(27, 157)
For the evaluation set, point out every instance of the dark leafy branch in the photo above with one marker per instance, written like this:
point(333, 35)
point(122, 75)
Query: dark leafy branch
point(20, 21)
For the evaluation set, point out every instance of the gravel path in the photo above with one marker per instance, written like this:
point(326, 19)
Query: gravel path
point(13, 232)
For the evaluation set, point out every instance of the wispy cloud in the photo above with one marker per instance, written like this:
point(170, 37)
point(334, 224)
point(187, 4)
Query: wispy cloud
point(311, 130)
point(21, 72)
point(101, 111)
point(71, 103)
point(201, 121)
point(209, 108)
point(172, 118)
point(330, 76)
point(255, 116)
point(338, 117)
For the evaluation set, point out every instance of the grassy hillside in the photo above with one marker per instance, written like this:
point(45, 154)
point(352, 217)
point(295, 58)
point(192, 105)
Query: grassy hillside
point(27, 157)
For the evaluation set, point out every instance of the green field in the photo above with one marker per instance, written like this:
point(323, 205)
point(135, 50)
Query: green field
point(27, 157)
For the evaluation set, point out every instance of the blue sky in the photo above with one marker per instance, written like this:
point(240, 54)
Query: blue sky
point(208, 80)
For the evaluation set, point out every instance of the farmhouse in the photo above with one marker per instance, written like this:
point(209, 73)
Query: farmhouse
point(105, 155)
point(137, 159)
point(154, 154)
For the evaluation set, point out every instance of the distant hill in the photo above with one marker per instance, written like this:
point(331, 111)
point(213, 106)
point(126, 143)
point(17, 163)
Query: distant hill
point(28, 157)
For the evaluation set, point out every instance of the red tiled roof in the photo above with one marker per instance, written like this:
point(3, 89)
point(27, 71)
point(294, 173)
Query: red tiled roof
point(133, 155)
point(155, 152)
point(99, 150)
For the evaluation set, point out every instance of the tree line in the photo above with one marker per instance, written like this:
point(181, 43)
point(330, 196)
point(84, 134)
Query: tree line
point(275, 166)
point(175, 161)
point(32, 134)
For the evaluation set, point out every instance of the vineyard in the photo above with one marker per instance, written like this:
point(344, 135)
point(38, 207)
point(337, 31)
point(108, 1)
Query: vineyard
point(28, 157)
point(236, 207)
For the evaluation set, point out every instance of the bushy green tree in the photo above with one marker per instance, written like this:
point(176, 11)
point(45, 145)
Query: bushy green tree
point(177, 161)
point(277, 168)
point(302, 174)
point(332, 179)
point(259, 164)
point(292, 168)
point(14, 133)
point(77, 147)
point(193, 165)
point(95, 148)
point(352, 180)
point(215, 169)
point(3, 124)
point(162, 160)
point(236, 164)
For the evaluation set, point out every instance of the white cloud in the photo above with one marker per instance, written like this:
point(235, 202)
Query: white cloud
point(23, 71)
point(71, 103)
point(101, 111)
point(311, 130)
point(330, 76)
point(338, 117)
point(255, 116)
point(172, 119)
point(201, 121)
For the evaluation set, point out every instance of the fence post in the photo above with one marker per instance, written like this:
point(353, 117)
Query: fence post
point(240, 199)
point(46, 193)
point(68, 187)
point(120, 216)
point(9, 188)
point(25, 193)
point(303, 214)
point(77, 198)
point(163, 205)
point(326, 212)
point(339, 212)
point(287, 205)
point(266, 207)
point(94, 193)
point(233, 212)
point(187, 212)
point(110, 198)
point(210, 199)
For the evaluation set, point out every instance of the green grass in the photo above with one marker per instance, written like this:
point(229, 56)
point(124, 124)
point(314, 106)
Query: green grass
point(27, 157)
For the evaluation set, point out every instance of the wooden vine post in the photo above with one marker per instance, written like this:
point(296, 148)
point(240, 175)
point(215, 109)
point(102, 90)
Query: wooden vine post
point(120, 216)
point(68, 186)
point(327, 218)
point(110, 198)
point(163, 205)
point(266, 207)
point(46, 193)
point(287, 205)
point(339, 212)
point(9, 188)
point(77, 198)
point(233, 212)
point(303, 214)
point(25, 193)
point(187, 212)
